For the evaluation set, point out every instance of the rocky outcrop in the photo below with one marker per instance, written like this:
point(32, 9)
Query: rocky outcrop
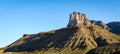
point(99, 23)
point(78, 19)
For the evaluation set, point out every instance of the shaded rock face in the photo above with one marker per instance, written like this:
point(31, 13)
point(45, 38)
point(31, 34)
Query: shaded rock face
point(114, 27)
point(99, 23)
point(78, 19)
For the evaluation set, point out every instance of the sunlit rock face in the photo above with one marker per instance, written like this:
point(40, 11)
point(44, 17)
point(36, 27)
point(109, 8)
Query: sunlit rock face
point(78, 19)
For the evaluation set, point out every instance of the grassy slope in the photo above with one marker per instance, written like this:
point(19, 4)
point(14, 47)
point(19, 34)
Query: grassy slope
point(107, 49)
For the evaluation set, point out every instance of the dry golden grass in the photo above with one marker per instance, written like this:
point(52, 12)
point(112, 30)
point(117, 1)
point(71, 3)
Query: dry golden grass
point(66, 51)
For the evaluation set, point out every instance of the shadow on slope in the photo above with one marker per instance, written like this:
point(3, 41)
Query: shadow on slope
point(107, 49)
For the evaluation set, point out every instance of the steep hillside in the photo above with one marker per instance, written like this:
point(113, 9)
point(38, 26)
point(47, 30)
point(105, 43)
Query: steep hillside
point(81, 39)
point(107, 49)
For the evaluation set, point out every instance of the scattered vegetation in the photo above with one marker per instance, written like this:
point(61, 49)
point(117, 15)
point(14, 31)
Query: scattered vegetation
point(77, 40)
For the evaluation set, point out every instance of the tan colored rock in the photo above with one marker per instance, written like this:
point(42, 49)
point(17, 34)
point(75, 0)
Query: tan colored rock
point(78, 19)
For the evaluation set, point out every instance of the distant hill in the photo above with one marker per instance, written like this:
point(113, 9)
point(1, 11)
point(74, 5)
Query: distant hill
point(114, 27)
point(79, 37)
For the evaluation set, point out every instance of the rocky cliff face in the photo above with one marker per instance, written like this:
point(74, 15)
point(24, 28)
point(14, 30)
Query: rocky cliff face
point(99, 23)
point(78, 19)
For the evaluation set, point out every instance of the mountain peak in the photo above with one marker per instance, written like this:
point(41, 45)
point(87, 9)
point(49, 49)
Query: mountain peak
point(78, 19)
point(80, 37)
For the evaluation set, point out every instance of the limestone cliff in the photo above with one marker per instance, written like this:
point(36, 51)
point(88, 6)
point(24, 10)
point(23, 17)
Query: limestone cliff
point(78, 19)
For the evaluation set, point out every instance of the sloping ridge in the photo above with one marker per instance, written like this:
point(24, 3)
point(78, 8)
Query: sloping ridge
point(79, 38)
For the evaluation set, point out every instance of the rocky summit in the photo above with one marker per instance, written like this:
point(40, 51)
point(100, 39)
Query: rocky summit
point(78, 19)
point(81, 36)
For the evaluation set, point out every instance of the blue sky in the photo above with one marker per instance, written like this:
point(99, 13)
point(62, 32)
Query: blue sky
point(18, 17)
